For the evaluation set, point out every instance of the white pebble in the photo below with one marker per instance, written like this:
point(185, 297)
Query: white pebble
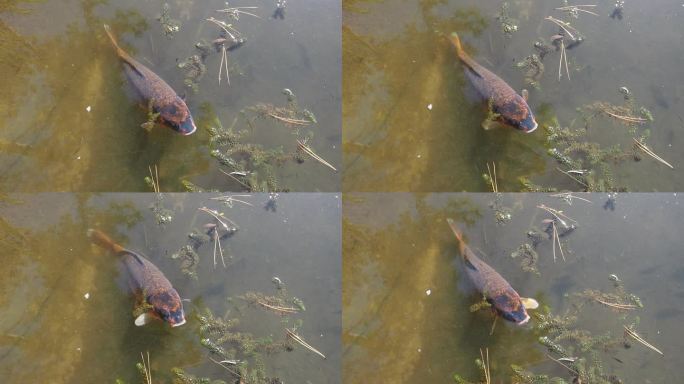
point(88, 108)
point(430, 107)
point(428, 292)
point(87, 295)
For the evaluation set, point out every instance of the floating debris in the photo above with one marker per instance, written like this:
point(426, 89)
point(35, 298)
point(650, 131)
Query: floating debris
point(618, 10)
point(631, 333)
point(279, 12)
point(292, 333)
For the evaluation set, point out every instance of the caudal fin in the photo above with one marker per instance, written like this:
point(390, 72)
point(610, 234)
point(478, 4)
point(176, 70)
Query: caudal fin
point(99, 238)
point(455, 229)
point(456, 41)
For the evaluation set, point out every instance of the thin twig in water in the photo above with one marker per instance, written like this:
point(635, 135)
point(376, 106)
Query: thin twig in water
point(485, 364)
point(235, 178)
point(572, 177)
point(220, 363)
point(226, 27)
point(577, 8)
point(629, 119)
point(289, 120)
point(565, 26)
point(147, 368)
point(649, 152)
point(569, 195)
point(492, 178)
point(224, 63)
point(278, 308)
point(235, 11)
point(561, 363)
point(557, 238)
point(311, 153)
point(624, 307)
point(291, 333)
point(232, 198)
point(155, 181)
point(638, 338)
point(557, 214)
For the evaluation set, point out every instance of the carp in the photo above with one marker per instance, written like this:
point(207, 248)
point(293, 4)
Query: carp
point(505, 301)
point(153, 91)
point(505, 105)
point(152, 289)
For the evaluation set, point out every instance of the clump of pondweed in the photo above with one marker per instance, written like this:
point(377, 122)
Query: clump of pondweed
point(290, 115)
point(582, 352)
point(169, 26)
point(534, 69)
point(502, 213)
point(250, 165)
point(506, 23)
point(529, 258)
point(280, 303)
point(242, 350)
point(162, 215)
point(187, 254)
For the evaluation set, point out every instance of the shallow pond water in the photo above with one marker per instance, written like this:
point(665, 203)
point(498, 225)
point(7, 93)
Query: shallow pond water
point(66, 318)
point(412, 123)
point(406, 301)
point(70, 124)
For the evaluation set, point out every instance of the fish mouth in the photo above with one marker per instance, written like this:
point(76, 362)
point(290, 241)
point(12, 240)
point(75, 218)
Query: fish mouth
point(524, 321)
point(533, 128)
point(188, 133)
point(183, 322)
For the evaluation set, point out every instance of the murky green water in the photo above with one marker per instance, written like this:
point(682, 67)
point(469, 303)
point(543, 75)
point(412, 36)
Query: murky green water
point(57, 62)
point(398, 246)
point(397, 62)
point(52, 333)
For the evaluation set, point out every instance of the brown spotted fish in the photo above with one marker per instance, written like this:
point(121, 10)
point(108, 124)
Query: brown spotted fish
point(504, 299)
point(171, 108)
point(149, 284)
point(505, 104)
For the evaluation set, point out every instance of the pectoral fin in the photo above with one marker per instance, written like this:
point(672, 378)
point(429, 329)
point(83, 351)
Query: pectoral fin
point(529, 303)
point(143, 319)
point(525, 95)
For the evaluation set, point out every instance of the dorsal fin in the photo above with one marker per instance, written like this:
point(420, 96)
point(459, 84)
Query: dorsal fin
point(128, 61)
point(469, 264)
point(135, 255)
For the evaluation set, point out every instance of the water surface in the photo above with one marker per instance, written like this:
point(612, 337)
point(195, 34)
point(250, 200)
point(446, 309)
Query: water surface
point(69, 123)
point(412, 123)
point(406, 302)
point(50, 266)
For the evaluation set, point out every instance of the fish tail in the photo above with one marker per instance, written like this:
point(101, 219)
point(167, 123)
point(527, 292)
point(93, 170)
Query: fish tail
point(119, 51)
point(456, 41)
point(459, 237)
point(99, 238)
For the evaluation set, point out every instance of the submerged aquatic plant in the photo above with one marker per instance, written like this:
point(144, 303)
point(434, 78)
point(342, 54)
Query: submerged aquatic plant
point(507, 24)
point(534, 69)
point(169, 26)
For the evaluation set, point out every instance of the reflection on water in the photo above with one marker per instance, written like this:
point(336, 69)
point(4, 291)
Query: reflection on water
point(406, 302)
point(70, 123)
point(64, 309)
point(411, 122)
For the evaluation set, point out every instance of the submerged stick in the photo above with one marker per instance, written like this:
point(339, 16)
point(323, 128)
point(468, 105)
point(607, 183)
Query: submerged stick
point(638, 338)
point(485, 364)
point(649, 152)
point(311, 153)
point(291, 333)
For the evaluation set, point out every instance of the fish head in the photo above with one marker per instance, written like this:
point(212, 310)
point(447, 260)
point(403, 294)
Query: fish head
point(518, 115)
point(510, 307)
point(177, 116)
point(169, 307)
